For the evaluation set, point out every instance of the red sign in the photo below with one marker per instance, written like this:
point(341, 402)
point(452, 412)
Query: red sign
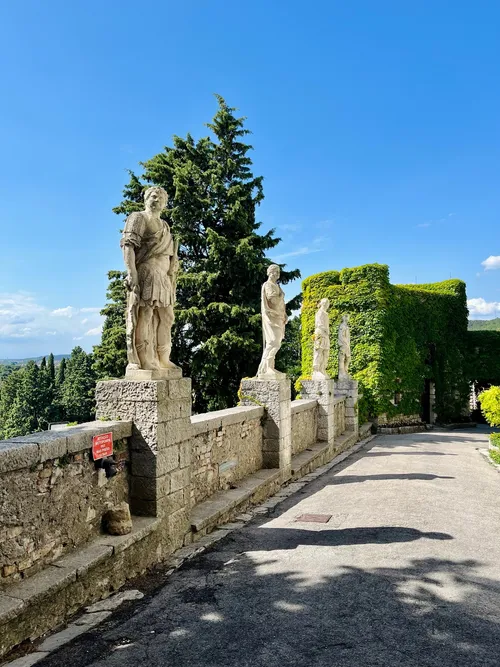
point(102, 446)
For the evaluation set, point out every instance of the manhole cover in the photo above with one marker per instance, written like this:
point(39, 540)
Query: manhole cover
point(314, 518)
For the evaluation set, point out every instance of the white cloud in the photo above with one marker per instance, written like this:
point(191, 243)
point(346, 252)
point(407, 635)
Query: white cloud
point(22, 319)
point(77, 337)
point(491, 263)
point(479, 307)
point(85, 320)
point(69, 311)
point(94, 332)
point(305, 250)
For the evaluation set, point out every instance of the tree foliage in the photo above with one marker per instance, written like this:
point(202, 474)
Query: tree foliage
point(490, 405)
point(32, 397)
point(217, 336)
point(110, 356)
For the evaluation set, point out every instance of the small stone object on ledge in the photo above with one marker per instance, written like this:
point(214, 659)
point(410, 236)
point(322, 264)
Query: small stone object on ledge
point(117, 521)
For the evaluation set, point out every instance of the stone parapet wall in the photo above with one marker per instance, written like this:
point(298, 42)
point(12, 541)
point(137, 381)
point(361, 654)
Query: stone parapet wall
point(52, 497)
point(226, 446)
point(304, 424)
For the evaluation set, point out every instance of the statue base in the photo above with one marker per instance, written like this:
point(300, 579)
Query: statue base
point(271, 375)
point(140, 374)
point(318, 375)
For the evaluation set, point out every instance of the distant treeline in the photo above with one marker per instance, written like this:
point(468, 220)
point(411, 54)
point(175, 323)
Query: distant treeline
point(32, 396)
point(485, 325)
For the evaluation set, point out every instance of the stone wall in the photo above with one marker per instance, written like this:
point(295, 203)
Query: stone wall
point(52, 497)
point(226, 447)
point(398, 420)
point(304, 424)
point(339, 418)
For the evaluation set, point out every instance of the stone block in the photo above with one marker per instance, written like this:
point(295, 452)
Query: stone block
point(180, 388)
point(180, 479)
point(271, 459)
point(150, 464)
point(175, 501)
point(126, 390)
point(149, 488)
point(84, 559)
point(185, 451)
point(46, 582)
point(9, 607)
point(177, 526)
point(16, 454)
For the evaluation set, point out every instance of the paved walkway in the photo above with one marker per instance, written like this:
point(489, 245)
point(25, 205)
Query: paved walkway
point(406, 572)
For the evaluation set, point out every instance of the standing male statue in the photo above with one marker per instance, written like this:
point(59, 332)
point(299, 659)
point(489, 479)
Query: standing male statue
point(274, 320)
point(150, 254)
point(344, 348)
point(321, 341)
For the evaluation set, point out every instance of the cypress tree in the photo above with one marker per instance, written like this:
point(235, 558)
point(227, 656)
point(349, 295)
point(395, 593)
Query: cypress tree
point(213, 199)
point(110, 356)
point(78, 387)
point(51, 368)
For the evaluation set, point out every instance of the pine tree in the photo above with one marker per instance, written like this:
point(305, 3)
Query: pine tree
point(8, 393)
point(110, 356)
point(25, 411)
point(213, 197)
point(78, 387)
point(61, 372)
point(51, 368)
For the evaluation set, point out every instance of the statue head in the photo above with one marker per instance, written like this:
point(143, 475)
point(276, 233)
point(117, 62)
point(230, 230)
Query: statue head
point(325, 304)
point(155, 199)
point(273, 272)
point(345, 319)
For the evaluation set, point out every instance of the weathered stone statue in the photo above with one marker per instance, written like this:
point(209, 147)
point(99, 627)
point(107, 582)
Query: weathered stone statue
point(321, 341)
point(274, 320)
point(344, 348)
point(150, 254)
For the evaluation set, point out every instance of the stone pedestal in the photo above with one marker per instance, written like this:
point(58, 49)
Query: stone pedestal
point(160, 445)
point(349, 389)
point(323, 392)
point(275, 396)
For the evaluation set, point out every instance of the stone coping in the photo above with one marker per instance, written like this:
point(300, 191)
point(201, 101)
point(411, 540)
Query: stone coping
point(28, 450)
point(209, 421)
point(302, 404)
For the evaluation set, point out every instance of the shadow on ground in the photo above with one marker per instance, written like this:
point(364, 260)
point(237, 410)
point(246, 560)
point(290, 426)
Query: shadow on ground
point(261, 598)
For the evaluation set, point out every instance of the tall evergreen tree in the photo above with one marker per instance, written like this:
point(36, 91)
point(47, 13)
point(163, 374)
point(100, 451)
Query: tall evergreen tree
point(25, 411)
point(51, 368)
point(77, 390)
point(213, 197)
point(8, 393)
point(61, 372)
point(110, 356)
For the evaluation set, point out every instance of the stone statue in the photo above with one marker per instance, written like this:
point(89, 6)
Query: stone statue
point(150, 254)
point(321, 341)
point(274, 320)
point(344, 348)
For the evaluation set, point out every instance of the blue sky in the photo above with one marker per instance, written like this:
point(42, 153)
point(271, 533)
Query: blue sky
point(375, 125)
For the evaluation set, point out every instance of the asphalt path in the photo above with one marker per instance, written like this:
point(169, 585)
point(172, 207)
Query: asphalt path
point(405, 571)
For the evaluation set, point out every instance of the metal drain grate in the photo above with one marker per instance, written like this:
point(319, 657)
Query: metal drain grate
point(314, 518)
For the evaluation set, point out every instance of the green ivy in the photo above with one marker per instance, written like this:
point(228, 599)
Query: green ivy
point(483, 356)
point(401, 335)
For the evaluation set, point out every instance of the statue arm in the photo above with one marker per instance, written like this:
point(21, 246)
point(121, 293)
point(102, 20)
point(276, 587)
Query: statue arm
point(129, 258)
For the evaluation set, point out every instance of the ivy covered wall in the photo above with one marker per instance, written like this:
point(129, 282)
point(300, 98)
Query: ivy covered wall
point(483, 356)
point(401, 335)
